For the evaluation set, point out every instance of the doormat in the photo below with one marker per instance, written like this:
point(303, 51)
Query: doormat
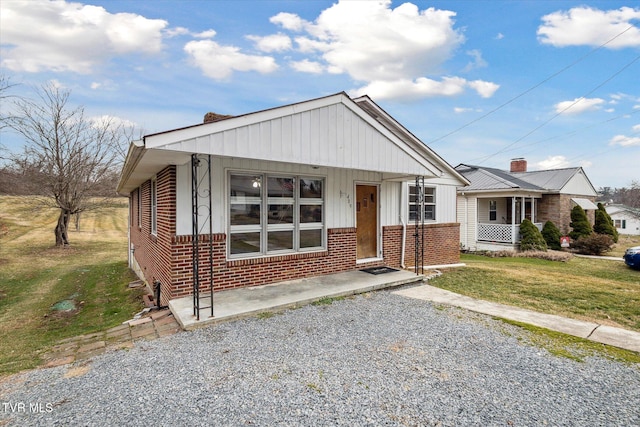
point(378, 270)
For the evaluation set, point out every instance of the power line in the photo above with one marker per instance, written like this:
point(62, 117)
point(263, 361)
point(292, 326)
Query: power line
point(582, 58)
point(563, 110)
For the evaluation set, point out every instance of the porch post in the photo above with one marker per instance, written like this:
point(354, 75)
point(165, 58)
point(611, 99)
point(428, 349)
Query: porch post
point(513, 220)
point(523, 208)
point(533, 209)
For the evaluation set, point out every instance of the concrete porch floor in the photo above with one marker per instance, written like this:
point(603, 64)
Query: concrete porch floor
point(242, 302)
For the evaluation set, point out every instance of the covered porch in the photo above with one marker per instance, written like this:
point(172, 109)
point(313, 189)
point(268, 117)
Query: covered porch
point(499, 218)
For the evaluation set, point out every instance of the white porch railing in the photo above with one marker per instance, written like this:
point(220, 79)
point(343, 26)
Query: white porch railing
point(501, 233)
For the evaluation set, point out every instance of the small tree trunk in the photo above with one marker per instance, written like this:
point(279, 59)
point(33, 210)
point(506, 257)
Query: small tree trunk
point(62, 239)
point(77, 221)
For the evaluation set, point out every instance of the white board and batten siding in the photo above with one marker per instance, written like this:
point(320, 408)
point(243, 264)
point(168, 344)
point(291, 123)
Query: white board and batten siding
point(468, 219)
point(579, 184)
point(339, 193)
point(330, 136)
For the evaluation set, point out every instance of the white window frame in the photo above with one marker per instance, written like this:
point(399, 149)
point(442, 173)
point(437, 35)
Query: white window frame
point(265, 202)
point(493, 209)
point(433, 203)
point(154, 206)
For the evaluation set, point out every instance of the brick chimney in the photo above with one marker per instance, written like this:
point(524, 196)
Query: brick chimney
point(518, 165)
point(214, 117)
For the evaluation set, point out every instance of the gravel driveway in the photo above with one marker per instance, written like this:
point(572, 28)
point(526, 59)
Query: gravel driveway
point(375, 359)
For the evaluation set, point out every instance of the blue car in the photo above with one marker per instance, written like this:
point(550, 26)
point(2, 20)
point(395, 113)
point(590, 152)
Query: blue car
point(632, 257)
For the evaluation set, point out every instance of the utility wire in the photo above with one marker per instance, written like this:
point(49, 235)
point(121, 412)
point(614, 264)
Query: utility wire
point(565, 135)
point(582, 58)
point(563, 110)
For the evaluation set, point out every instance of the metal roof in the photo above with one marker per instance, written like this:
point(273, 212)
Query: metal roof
point(552, 180)
point(493, 179)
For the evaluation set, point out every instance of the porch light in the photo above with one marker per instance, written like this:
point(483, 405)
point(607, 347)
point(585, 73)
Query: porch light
point(256, 182)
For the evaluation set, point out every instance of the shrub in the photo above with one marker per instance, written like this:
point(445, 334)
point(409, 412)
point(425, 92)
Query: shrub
point(595, 244)
point(551, 235)
point(532, 239)
point(579, 223)
point(604, 223)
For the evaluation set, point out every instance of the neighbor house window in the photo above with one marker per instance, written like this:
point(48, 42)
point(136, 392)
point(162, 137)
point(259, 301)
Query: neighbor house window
point(429, 213)
point(493, 210)
point(620, 223)
point(154, 207)
point(271, 214)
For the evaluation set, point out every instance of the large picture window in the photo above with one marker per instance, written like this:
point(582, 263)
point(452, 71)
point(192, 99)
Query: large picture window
point(271, 214)
point(429, 213)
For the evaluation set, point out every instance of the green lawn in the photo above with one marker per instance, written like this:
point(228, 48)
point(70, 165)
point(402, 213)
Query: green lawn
point(606, 292)
point(35, 275)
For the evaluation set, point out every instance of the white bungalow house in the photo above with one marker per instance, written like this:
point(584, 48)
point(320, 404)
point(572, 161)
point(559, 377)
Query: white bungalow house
point(492, 207)
point(625, 219)
point(306, 189)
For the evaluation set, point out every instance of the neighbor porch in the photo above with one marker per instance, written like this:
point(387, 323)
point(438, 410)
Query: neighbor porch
point(499, 220)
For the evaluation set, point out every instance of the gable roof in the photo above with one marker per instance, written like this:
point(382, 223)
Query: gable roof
point(552, 179)
point(483, 178)
point(619, 208)
point(547, 181)
point(332, 131)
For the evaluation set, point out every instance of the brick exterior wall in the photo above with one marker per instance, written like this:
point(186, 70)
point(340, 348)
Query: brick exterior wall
point(153, 253)
point(557, 209)
point(441, 244)
point(167, 258)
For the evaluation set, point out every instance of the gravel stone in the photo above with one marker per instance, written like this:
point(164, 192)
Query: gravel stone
point(371, 360)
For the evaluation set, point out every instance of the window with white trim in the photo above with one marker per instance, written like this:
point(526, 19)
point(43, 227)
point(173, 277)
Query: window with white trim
point(493, 210)
point(274, 214)
point(154, 207)
point(429, 203)
point(620, 223)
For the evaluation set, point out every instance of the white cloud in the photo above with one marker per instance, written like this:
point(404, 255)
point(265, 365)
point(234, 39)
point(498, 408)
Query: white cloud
point(111, 122)
point(289, 21)
point(477, 62)
point(578, 105)
point(484, 89)
point(636, 128)
point(461, 110)
point(394, 52)
point(625, 141)
point(421, 87)
point(499, 36)
point(586, 164)
point(273, 43)
point(592, 27)
point(219, 62)
point(62, 36)
point(306, 66)
point(553, 162)
point(208, 34)
point(177, 31)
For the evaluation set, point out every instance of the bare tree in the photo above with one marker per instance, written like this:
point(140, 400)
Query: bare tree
point(66, 154)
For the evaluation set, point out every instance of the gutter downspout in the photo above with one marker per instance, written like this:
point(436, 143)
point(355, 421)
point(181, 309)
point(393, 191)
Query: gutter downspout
point(404, 225)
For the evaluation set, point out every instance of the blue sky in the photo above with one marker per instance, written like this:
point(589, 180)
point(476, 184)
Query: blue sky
point(480, 82)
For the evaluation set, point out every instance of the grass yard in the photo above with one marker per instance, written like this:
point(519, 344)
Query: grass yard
point(602, 291)
point(35, 275)
point(624, 242)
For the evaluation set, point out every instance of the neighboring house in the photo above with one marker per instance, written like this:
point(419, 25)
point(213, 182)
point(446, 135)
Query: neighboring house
point(625, 219)
point(307, 189)
point(492, 207)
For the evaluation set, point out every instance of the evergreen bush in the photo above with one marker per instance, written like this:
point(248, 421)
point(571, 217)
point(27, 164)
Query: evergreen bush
point(604, 223)
point(551, 235)
point(595, 244)
point(579, 223)
point(531, 239)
